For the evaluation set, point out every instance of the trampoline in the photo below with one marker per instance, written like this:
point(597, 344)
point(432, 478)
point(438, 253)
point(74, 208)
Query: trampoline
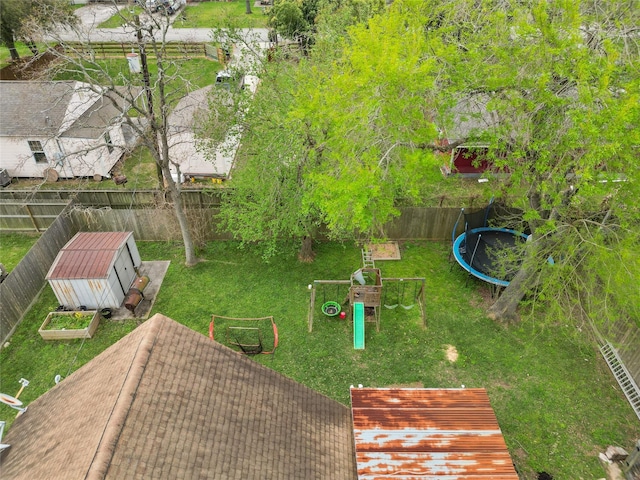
point(480, 251)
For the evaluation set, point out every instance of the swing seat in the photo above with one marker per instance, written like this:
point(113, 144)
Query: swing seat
point(408, 307)
point(391, 307)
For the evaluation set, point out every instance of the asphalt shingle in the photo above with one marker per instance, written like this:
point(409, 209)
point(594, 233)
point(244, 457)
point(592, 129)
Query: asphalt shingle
point(167, 402)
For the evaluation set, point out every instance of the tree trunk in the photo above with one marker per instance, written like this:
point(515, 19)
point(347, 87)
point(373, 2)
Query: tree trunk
point(505, 308)
point(248, 4)
point(178, 207)
point(13, 51)
point(306, 253)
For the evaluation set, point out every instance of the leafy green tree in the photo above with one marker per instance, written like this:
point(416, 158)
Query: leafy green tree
point(551, 87)
point(269, 198)
point(18, 17)
point(266, 202)
point(286, 18)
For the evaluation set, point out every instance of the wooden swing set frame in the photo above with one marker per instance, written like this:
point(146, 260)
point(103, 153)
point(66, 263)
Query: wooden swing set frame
point(419, 297)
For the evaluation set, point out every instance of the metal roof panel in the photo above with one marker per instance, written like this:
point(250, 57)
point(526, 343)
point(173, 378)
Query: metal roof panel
point(440, 434)
point(88, 255)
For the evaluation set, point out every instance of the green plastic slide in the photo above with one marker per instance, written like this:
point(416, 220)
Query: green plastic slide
point(358, 325)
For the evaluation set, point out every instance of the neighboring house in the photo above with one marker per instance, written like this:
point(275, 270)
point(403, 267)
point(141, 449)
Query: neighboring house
point(166, 402)
point(61, 129)
point(193, 154)
point(470, 119)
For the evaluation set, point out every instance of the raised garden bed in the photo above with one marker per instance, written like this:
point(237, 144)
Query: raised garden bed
point(69, 325)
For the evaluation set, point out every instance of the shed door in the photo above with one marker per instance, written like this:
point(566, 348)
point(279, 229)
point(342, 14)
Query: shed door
point(124, 270)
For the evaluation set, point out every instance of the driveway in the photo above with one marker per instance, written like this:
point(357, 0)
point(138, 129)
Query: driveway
point(94, 14)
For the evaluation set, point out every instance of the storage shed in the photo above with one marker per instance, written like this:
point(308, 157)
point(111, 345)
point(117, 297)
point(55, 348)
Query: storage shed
point(95, 269)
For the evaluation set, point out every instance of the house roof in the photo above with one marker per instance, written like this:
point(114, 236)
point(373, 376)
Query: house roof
point(428, 434)
point(33, 108)
point(88, 255)
point(167, 402)
point(192, 109)
point(195, 154)
point(65, 108)
point(471, 117)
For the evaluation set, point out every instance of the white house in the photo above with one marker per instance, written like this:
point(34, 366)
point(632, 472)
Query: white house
point(61, 129)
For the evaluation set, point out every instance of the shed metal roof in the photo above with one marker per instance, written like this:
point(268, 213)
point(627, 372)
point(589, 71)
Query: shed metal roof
point(88, 255)
point(431, 434)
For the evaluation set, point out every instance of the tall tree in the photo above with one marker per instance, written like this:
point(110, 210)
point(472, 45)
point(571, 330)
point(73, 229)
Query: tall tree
point(20, 17)
point(551, 87)
point(269, 199)
point(266, 201)
point(148, 118)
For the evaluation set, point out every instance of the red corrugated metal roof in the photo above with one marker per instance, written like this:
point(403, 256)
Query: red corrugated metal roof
point(430, 434)
point(87, 255)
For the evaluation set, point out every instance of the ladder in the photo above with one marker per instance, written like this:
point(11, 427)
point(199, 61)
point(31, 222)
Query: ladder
point(629, 387)
point(367, 259)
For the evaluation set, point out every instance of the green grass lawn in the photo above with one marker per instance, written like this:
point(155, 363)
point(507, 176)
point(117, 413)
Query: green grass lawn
point(220, 15)
point(13, 247)
point(123, 17)
point(555, 400)
point(198, 72)
point(214, 14)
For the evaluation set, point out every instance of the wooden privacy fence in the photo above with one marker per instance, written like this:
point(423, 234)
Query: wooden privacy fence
point(20, 289)
point(34, 215)
point(149, 215)
point(112, 198)
point(104, 50)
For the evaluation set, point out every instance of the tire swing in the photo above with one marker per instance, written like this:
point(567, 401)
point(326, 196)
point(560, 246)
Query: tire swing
point(330, 308)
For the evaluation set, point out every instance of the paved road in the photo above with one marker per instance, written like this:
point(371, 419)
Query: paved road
point(94, 14)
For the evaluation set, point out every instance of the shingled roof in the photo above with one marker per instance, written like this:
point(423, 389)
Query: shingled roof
point(67, 108)
point(167, 402)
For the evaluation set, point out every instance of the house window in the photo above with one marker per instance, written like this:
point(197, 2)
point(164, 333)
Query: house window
point(107, 140)
point(37, 151)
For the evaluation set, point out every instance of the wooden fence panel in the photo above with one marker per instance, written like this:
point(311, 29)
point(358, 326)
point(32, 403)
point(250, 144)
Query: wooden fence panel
point(20, 289)
point(151, 224)
point(33, 215)
point(104, 50)
point(423, 223)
